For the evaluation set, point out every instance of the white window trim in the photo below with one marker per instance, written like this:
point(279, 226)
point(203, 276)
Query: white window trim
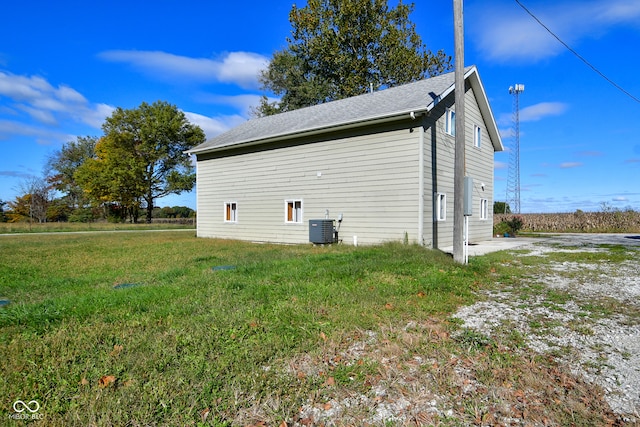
point(234, 212)
point(484, 209)
point(477, 136)
point(450, 122)
point(440, 208)
point(286, 211)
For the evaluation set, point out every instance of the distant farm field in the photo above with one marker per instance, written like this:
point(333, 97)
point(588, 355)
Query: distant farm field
point(162, 328)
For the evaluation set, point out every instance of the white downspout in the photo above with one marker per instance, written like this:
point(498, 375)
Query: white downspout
point(421, 185)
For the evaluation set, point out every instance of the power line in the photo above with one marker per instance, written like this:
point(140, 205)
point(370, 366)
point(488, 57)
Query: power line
point(600, 73)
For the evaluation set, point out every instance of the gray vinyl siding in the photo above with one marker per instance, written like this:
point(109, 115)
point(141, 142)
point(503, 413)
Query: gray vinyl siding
point(370, 175)
point(372, 179)
point(479, 163)
point(439, 175)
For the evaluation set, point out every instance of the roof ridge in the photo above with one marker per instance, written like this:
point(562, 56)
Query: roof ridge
point(380, 104)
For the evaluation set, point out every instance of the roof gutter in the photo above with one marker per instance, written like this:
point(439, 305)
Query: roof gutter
point(315, 131)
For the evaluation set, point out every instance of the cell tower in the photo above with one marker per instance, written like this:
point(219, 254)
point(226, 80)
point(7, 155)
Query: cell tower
point(513, 175)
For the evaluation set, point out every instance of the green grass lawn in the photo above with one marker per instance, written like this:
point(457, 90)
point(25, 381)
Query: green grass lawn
point(53, 227)
point(183, 343)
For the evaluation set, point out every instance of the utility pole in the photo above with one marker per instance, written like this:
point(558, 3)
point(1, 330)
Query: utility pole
point(459, 157)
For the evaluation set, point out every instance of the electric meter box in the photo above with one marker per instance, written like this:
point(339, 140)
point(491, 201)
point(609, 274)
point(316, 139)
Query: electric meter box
point(468, 196)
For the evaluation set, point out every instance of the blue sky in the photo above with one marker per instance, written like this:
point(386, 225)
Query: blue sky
point(65, 65)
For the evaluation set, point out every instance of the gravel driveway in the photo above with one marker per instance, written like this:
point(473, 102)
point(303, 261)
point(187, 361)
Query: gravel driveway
point(601, 345)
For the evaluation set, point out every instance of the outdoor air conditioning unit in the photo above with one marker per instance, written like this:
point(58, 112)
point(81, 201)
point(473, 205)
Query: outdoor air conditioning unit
point(321, 231)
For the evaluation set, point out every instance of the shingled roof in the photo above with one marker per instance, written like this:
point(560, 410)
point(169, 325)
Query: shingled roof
point(385, 105)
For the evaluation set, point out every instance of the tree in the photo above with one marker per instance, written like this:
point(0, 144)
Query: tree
point(40, 196)
point(34, 202)
point(113, 178)
point(63, 164)
point(501, 208)
point(174, 212)
point(183, 212)
point(141, 157)
point(339, 48)
point(2, 216)
point(58, 211)
point(20, 209)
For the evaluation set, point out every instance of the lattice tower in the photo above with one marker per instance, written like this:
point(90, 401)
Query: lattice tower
point(513, 174)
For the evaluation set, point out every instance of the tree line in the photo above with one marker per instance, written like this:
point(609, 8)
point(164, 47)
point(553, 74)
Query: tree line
point(118, 176)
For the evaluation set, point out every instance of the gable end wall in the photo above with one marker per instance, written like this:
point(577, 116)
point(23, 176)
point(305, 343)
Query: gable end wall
point(439, 174)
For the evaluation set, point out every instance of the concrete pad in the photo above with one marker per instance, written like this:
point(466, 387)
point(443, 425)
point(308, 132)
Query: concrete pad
point(495, 245)
point(630, 240)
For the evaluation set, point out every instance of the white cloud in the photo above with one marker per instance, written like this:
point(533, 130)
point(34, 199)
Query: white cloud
point(23, 88)
point(619, 11)
point(31, 101)
point(16, 174)
point(95, 115)
point(214, 126)
point(570, 165)
point(65, 93)
point(506, 133)
point(42, 135)
point(505, 32)
point(532, 113)
point(48, 104)
point(40, 115)
point(241, 68)
point(244, 103)
point(500, 165)
point(539, 111)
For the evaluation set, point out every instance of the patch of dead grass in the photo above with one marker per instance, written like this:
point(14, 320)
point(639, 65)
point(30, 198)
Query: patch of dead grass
point(420, 374)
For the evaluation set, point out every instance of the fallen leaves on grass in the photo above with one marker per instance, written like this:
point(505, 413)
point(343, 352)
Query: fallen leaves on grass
point(418, 373)
point(106, 380)
point(116, 350)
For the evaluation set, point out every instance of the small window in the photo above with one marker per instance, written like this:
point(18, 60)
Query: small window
point(477, 136)
point(450, 122)
point(293, 211)
point(231, 212)
point(484, 209)
point(441, 207)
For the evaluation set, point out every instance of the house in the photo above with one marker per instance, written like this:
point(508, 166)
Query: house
point(383, 161)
